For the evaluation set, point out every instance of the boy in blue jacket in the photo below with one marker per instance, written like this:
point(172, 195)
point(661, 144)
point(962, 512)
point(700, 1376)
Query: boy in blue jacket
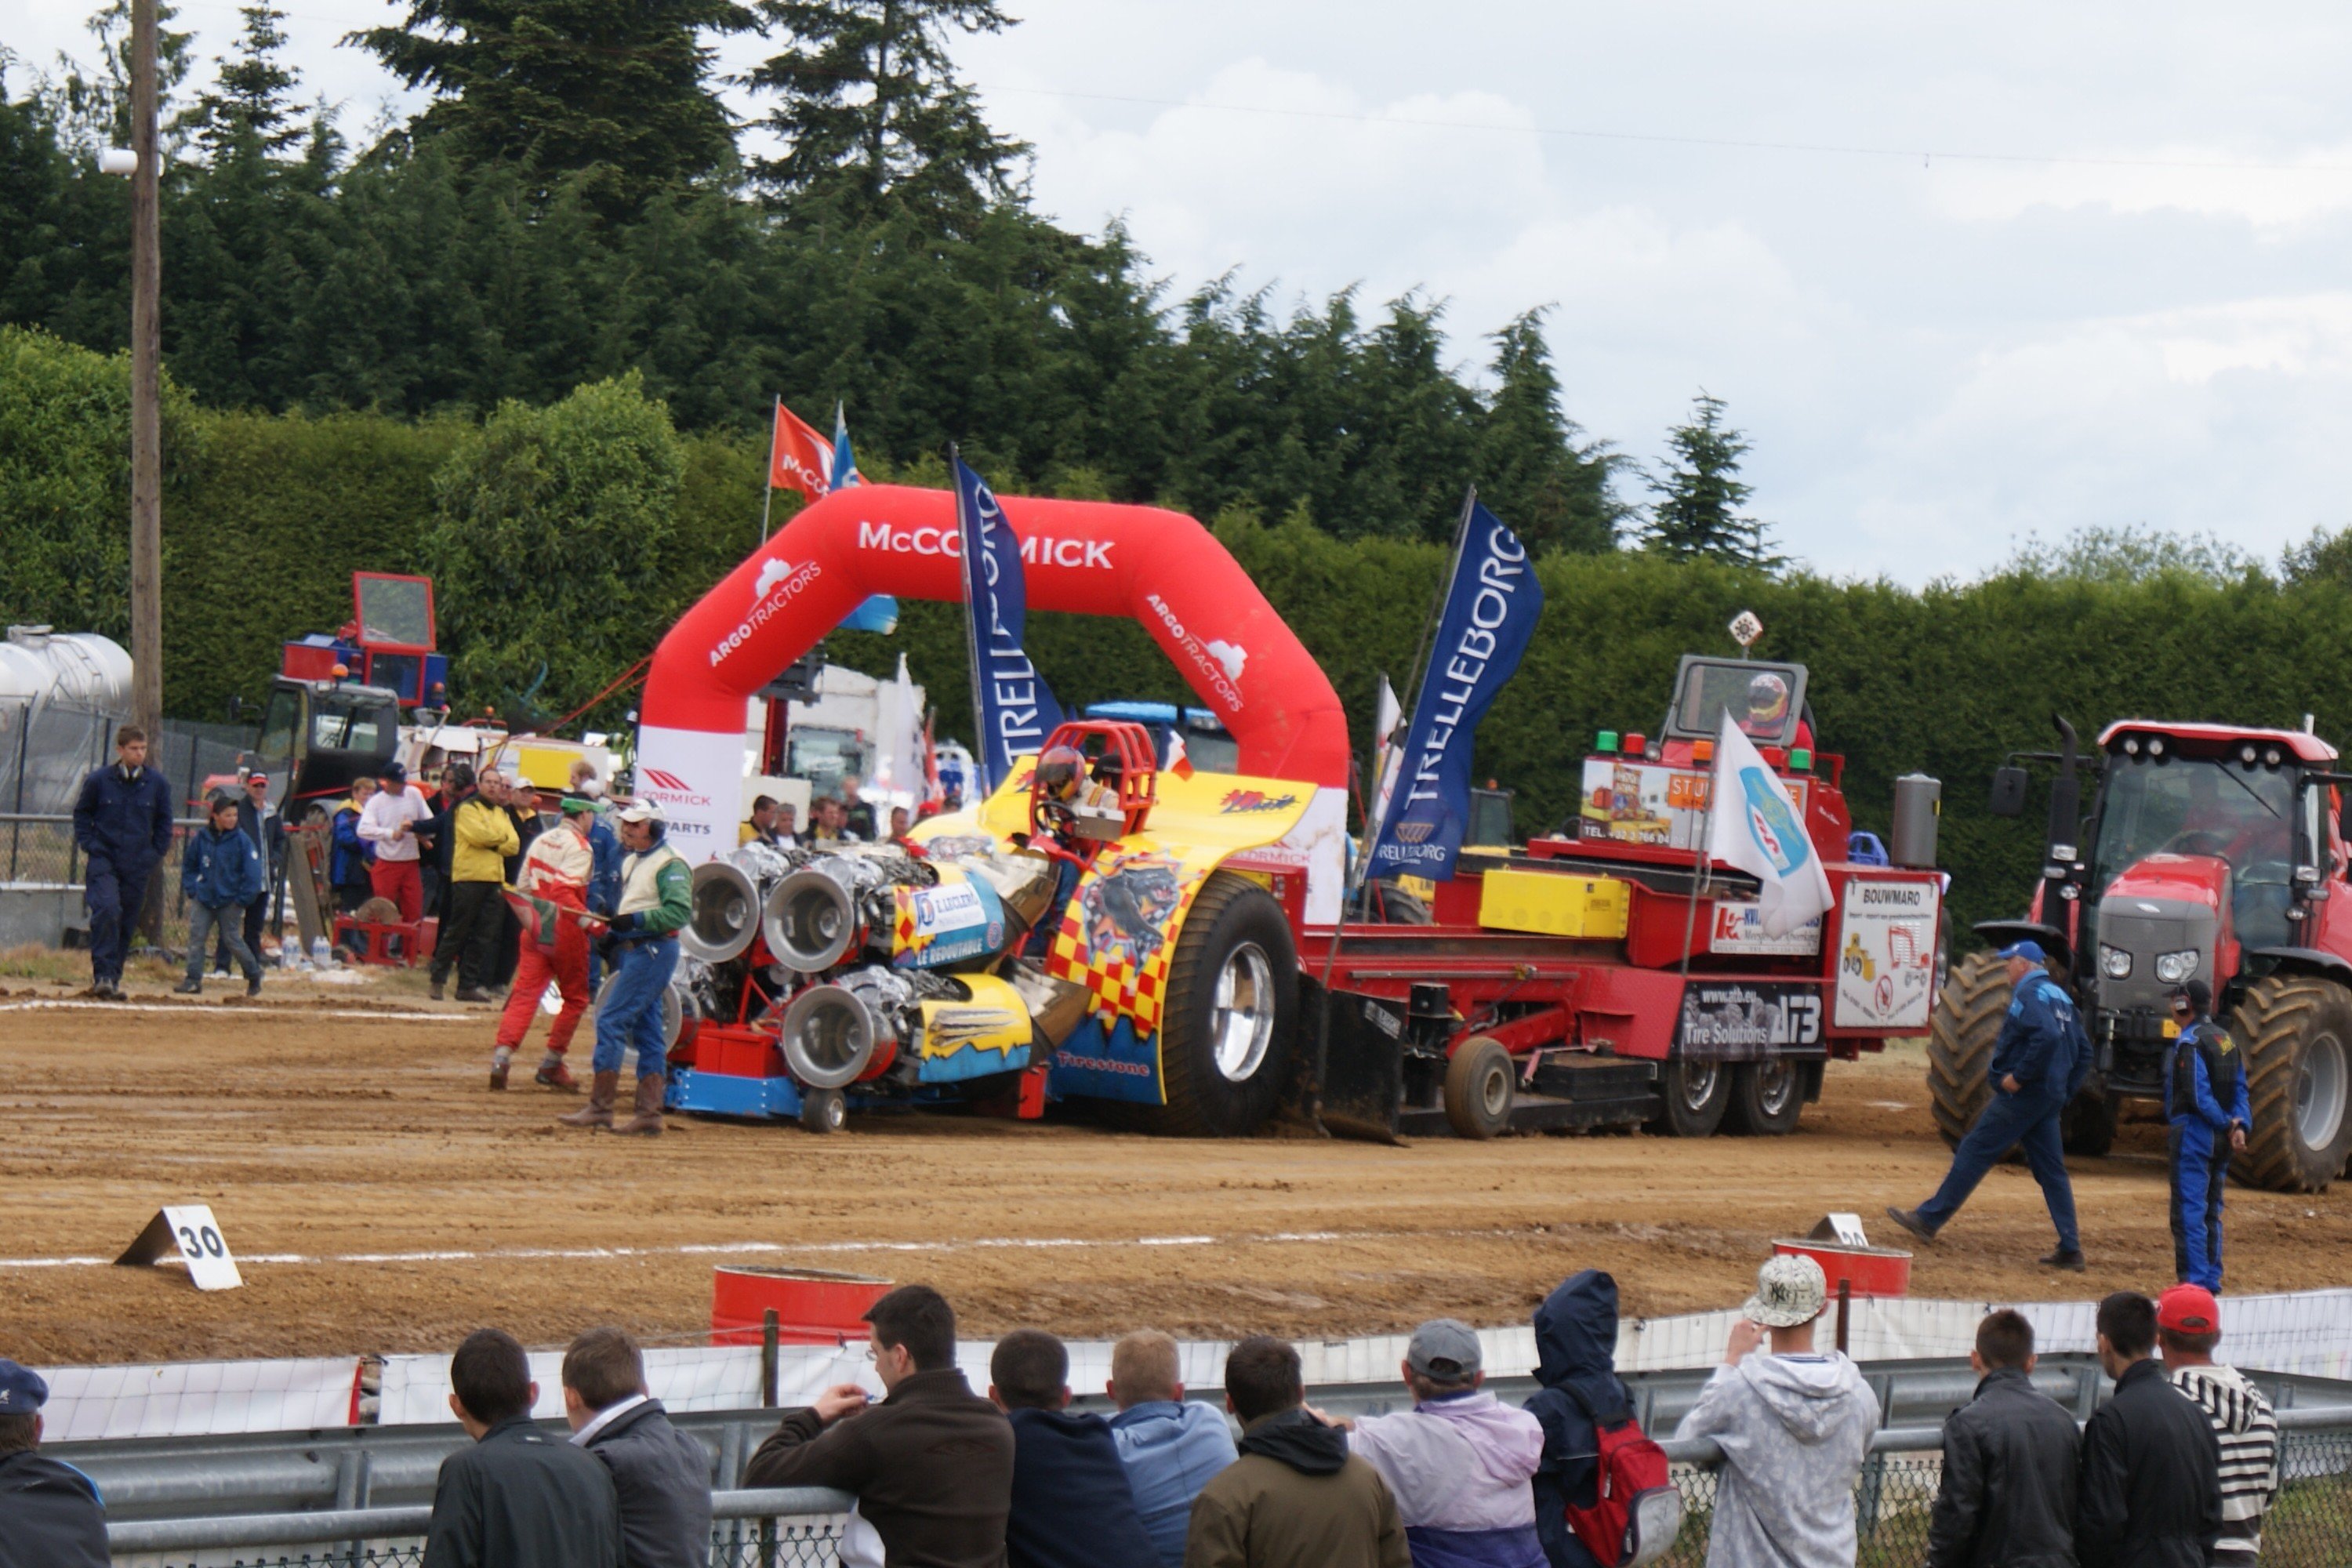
point(220, 875)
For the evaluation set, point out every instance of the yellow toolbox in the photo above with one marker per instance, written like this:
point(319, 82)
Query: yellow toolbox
point(1552, 904)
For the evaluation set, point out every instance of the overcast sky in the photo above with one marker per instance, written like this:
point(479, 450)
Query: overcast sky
point(1962, 273)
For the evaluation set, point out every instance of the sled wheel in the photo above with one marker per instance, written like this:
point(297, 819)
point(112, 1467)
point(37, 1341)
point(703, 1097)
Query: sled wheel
point(1694, 1096)
point(1767, 1099)
point(1479, 1083)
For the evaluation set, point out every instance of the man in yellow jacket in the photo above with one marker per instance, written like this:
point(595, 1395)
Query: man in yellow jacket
point(485, 836)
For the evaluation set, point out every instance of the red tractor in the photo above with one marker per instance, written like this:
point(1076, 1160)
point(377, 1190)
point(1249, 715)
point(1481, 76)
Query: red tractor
point(2212, 852)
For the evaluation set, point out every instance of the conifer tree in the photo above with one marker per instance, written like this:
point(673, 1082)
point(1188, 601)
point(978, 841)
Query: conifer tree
point(1697, 515)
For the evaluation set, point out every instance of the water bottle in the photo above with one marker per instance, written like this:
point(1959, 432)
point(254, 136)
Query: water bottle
point(322, 952)
point(286, 952)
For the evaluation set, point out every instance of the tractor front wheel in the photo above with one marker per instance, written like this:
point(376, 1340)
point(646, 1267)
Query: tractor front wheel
point(1767, 1099)
point(1233, 1007)
point(2087, 1125)
point(2296, 1033)
point(1960, 1039)
point(1479, 1084)
point(1693, 1098)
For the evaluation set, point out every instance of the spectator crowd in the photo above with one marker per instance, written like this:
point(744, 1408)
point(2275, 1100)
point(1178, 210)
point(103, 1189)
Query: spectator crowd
point(2177, 1469)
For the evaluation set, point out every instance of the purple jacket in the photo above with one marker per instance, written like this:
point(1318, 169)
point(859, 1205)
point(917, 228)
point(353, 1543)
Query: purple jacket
point(1459, 1467)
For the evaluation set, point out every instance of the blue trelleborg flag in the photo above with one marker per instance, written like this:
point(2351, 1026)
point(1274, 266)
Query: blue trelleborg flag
point(843, 472)
point(1010, 702)
point(1491, 608)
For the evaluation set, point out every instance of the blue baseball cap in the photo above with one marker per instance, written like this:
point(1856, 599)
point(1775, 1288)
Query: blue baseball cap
point(22, 1390)
point(2026, 948)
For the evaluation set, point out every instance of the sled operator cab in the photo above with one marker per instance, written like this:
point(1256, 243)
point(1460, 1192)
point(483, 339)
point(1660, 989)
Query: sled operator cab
point(2210, 852)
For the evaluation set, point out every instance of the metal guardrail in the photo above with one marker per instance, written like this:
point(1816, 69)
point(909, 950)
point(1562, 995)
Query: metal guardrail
point(2310, 1526)
point(364, 1524)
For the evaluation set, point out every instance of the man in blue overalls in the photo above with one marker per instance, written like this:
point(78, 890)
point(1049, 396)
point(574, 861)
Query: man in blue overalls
point(2205, 1098)
point(2038, 1063)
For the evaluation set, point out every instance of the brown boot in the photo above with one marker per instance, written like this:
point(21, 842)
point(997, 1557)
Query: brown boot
point(648, 1121)
point(498, 1075)
point(602, 1089)
point(554, 1074)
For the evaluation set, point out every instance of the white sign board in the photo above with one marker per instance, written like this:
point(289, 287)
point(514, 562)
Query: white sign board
point(1886, 953)
point(189, 1230)
point(1739, 928)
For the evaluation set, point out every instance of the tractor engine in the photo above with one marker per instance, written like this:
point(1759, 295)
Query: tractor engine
point(879, 970)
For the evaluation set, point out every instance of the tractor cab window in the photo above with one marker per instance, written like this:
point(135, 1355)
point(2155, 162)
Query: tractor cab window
point(2187, 806)
point(824, 757)
point(278, 722)
point(341, 724)
point(1210, 747)
point(1766, 700)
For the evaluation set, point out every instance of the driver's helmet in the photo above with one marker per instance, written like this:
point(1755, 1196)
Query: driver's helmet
point(1767, 698)
point(1108, 769)
point(1060, 772)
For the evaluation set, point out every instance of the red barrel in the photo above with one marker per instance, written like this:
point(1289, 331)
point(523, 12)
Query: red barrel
point(813, 1306)
point(1870, 1270)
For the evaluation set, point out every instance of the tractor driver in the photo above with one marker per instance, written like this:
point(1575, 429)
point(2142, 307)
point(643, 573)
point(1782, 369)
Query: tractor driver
point(1063, 778)
point(1767, 708)
point(1062, 782)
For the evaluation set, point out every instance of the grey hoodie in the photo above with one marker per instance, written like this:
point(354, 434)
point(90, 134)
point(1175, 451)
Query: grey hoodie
point(1793, 1430)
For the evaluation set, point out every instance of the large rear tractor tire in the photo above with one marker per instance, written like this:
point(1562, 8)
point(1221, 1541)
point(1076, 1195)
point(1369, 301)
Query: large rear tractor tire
point(1232, 1011)
point(1693, 1098)
point(1480, 1082)
point(2296, 1033)
point(1767, 1099)
point(1961, 1037)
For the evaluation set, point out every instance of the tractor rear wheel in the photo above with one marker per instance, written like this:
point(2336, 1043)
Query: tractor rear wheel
point(1232, 1009)
point(1767, 1099)
point(2296, 1033)
point(1693, 1097)
point(1961, 1037)
point(1479, 1084)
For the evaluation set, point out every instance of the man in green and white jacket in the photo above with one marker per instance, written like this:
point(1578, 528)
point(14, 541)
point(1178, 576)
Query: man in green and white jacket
point(656, 898)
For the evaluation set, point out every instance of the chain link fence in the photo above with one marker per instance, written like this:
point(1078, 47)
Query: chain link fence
point(2309, 1526)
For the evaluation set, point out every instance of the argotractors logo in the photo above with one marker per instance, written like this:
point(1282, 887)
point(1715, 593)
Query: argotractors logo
point(778, 584)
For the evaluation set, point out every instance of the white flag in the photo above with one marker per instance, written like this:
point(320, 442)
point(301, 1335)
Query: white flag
point(1756, 827)
point(1387, 714)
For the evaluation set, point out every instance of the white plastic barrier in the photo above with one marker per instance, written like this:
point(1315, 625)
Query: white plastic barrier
point(2308, 1333)
point(196, 1399)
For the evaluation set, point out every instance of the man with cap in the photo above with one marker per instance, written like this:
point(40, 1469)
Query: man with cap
point(656, 898)
point(267, 830)
point(2188, 1327)
point(1459, 1462)
point(1793, 1424)
point(50, 1513)
point(2038, 1063)
point(2205, 1100)
point(554, 945)
point(123, 824)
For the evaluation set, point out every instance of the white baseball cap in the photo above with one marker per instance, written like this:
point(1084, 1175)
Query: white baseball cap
point(1791, 1288)
point(640, 811)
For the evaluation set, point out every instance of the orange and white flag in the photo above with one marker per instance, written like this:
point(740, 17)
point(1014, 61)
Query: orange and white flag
point(1178, 762)
point(799, 459)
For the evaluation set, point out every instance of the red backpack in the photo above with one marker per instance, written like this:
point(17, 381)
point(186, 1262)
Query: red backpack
point(1636, 1510)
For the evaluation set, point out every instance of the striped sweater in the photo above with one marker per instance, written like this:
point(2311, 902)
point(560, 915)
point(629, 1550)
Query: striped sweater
point(2242, 1420)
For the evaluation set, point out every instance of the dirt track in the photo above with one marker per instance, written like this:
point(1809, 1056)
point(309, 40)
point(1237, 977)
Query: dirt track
point(325, 1136)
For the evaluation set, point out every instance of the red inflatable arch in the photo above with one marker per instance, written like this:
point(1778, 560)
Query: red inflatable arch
point(1092, 557)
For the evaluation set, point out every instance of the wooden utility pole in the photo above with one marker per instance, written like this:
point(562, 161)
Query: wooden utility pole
point(146, 388)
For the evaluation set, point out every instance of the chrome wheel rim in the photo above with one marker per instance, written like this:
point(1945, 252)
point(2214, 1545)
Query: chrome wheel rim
point(1775, 1083)
point(1698, 1084)
point(1495, 1090)
point(1241, 1015)
point(2320, 1088)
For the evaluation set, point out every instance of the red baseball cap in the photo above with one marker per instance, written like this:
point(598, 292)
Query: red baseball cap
point(2188, 1309)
